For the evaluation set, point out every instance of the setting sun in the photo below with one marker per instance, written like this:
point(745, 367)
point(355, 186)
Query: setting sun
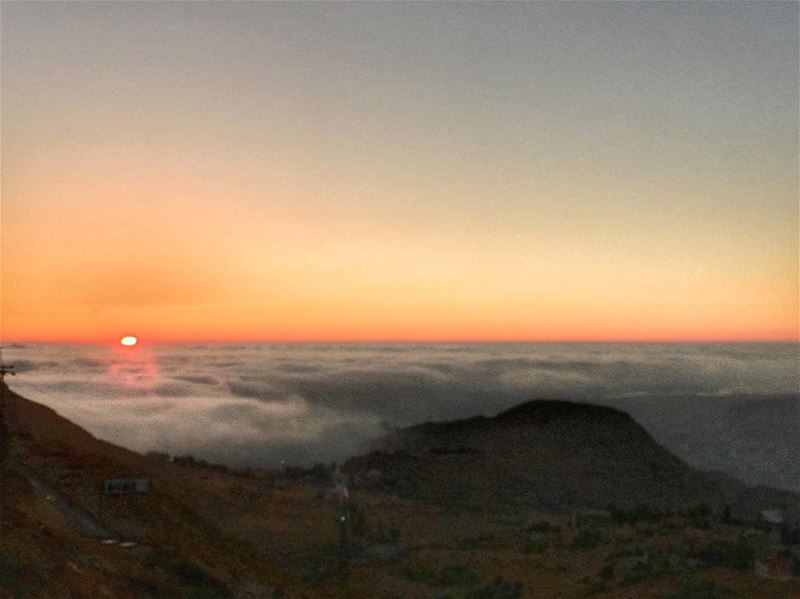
point(129, 341)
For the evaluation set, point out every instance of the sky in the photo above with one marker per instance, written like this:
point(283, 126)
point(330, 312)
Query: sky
point(399, 171)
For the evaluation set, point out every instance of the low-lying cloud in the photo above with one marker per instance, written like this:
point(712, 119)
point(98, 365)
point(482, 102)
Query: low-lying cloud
point(272, 404)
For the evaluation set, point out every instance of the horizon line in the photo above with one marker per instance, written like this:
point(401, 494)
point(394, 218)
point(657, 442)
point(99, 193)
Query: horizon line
point(531, 341)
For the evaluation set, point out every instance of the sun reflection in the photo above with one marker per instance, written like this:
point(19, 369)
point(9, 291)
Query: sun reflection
point(132, 366)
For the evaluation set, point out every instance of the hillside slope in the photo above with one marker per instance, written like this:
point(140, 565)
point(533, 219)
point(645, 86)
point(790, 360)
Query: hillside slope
point(755, 438)
point(204, 531)
point(49, 466)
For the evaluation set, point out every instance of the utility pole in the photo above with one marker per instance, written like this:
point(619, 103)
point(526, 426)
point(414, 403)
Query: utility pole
point(4, 370)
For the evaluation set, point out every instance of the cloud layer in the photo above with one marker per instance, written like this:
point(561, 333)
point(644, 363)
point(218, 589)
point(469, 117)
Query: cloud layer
point(273, 404)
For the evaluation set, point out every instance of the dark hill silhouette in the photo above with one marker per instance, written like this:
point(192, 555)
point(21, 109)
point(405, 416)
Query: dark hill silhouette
point(554, 456)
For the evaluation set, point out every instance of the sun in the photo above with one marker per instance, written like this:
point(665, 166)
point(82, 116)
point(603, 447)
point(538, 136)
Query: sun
point(128, 341)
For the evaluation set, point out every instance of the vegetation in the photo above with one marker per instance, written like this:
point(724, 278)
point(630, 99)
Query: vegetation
point(193, 574)
point(641, 513)
point(543, 526)
point(499, 588)
point(699, 516)
point(607, 572)
point(700, 589)
point(449, 576)
point(20, 576)
point(538, 546)
point(737, 555)
point(588, 538)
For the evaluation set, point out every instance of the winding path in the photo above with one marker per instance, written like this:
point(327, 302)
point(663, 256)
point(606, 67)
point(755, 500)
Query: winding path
point(83, 522)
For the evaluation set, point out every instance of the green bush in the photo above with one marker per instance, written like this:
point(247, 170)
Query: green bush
point(699, 589)
point(587, 538)
point(738, 556)
point(699, 516)
point(481, 541)
point(324, 565)
point(144, 588)
point(638, 573)
point(498, 589)
point(607, 573)
point(195, 575)
point(457, 575)
point(449, 576)
point(641, 513)
point(21, 577)
point(542, 526)
point(597, 586)
point(12, 570)
point(537, 546)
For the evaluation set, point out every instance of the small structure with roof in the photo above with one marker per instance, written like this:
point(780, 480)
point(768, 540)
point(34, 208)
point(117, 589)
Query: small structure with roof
point(770, 518)
point(771, 522)
point(125, 486)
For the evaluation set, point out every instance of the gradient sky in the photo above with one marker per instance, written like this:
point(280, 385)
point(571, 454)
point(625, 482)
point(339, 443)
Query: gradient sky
point(447, 171)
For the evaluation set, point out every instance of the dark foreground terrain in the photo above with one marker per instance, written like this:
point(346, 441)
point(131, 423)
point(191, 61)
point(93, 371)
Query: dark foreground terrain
point(550, 499)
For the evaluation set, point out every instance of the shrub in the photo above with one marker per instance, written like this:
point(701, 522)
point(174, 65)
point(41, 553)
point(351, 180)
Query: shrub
point(393, 535)
point(535, 546)
point(324, 565)
point(542, 526)
point(144, 588)
point(20, 576)
point(641, 513)
point(457, 575)
point(597, 586)
point(638, 573)
point(587, 538)
point(481, 541)
point(498, 589)
point(195, 575)
point(607, 573)
point(449, 576)
point(738, 556)
point(699, 516)
point(699, 589)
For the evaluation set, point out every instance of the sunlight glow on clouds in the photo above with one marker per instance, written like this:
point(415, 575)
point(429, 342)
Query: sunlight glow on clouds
point(258, 405)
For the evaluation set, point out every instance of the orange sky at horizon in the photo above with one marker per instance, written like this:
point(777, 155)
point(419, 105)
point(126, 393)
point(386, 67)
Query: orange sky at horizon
point(270, 172)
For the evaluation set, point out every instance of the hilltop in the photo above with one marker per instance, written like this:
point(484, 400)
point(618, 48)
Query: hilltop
point(554, 456)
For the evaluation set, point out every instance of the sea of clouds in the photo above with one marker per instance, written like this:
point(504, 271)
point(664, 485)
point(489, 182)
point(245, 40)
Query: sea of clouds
point(267, 405)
